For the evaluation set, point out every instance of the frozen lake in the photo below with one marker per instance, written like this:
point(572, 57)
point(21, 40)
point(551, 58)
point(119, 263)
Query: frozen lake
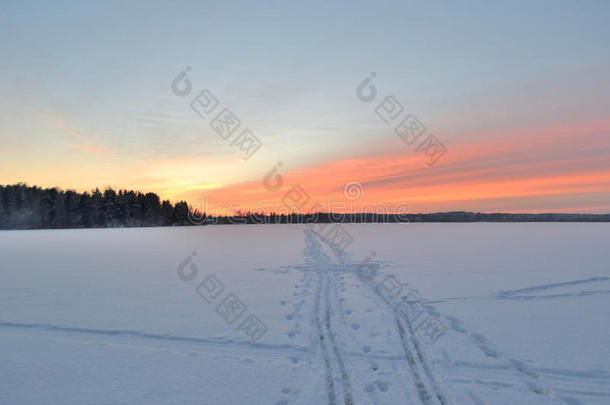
point(476, 313)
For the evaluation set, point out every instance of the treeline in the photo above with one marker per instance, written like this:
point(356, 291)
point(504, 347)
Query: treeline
point(24, 207)
point(458, 216)
point(464, 216)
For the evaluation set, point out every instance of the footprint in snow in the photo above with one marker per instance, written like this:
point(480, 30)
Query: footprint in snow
point(382, 386)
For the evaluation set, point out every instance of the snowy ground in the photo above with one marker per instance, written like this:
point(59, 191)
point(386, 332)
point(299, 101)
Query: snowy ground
point(520, 314)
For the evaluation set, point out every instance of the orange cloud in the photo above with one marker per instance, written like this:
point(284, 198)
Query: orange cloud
point(519, 168)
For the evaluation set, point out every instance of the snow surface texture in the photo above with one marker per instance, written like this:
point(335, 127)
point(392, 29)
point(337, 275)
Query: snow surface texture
point(167, 315)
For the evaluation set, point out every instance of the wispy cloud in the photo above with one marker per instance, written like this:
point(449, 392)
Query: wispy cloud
point(74, 137)
point(476, 175)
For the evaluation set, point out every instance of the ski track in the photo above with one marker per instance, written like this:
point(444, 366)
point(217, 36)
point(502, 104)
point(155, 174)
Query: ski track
point(140, 335)
point(427, 383)
point(419, 385)
point(532, 377)
point(508, 293)
point(334, 363)
point(347, 388)
point(323, 277)
point(322, 333)
point(421, 361)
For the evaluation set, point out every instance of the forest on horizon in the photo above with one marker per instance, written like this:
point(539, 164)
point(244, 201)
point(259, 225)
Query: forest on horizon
point(32, 207)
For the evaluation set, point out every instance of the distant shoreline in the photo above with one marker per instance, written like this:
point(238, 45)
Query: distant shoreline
point(359, 218)
point(26, 207)
point(437, 217)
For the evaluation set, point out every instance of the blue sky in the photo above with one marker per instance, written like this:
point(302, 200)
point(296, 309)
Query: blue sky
point(98, 74)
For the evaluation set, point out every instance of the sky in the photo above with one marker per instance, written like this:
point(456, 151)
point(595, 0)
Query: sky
point(514, 98)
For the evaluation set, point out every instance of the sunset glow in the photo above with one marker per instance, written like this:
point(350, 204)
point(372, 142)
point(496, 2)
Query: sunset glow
point(520, 135)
